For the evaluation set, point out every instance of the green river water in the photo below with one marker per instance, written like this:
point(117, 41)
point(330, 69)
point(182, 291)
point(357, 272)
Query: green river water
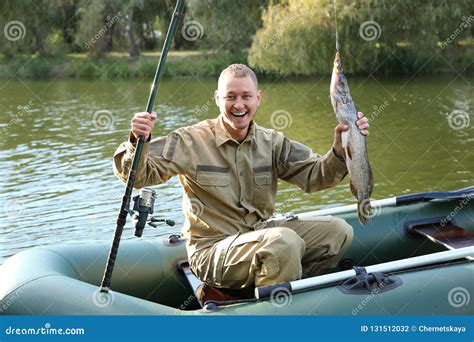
point(57, 139)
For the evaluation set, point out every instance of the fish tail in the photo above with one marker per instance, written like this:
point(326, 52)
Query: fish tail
point(364, 211)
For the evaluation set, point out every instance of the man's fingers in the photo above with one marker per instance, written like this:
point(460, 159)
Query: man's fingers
point(341, 128)
point(141, 127)
point(145, 115)
point(363, 126)
point(139, 121)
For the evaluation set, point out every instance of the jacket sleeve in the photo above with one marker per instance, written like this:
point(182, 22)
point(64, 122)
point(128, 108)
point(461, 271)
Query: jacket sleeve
point(299, 165)
point(161, 159)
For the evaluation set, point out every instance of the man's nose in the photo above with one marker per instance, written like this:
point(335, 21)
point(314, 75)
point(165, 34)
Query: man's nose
point(238, 105)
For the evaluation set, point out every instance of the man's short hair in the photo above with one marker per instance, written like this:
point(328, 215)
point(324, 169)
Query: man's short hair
point(238, 70)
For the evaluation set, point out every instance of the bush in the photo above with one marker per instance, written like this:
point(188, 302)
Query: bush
point(298, 36)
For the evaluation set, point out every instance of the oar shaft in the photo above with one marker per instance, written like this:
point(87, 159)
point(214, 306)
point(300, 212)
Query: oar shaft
point(423, 260)
point(122, 217)
point(461, 194)
point(351, 208)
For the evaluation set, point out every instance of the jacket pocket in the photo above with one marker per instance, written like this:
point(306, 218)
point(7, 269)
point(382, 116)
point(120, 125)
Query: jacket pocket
point(263, 189)
point(263, 179)
point(212, 175)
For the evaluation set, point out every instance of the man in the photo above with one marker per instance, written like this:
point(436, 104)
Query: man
point(229, 168)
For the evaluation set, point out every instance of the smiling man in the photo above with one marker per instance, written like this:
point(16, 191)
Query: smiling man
point(229, 169)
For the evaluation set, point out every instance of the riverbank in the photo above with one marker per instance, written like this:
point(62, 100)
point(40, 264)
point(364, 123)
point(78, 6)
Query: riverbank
point(119, 66)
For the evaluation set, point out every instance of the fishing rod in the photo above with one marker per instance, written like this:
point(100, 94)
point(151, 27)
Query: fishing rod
point(124, 209)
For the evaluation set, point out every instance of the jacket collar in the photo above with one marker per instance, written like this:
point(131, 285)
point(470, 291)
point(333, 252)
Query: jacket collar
point(223, 135)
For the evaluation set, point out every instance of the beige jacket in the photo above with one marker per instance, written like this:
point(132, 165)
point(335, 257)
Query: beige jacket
point(229, 188)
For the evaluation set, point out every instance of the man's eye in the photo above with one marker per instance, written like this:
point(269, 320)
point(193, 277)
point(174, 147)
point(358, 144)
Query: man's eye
point(247, 97)
point(230, 97)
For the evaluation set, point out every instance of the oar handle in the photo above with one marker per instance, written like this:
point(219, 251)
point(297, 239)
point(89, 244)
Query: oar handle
point(122, 216)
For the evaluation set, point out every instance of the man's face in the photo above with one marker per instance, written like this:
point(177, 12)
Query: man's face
point(238, 99)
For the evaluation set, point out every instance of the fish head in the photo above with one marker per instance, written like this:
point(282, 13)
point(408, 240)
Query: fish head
point(339, 89)
point(337, 77)
point(337, 64)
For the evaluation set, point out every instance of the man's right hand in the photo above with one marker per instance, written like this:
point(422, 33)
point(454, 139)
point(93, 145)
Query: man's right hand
point(142, 124)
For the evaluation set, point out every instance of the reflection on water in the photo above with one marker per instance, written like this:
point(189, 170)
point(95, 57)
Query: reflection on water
point(58, 138)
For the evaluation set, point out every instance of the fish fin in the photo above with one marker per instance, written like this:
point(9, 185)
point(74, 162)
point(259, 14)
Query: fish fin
point(345, 139)
point(348, 154)
point(353, 189)
point(371, 182)
point(348, 151)
point(364, 211)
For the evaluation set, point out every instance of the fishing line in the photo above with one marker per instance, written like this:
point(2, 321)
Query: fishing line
point(335, 22)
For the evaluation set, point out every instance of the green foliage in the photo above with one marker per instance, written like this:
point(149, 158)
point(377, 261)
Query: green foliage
point(284, 36)
point(182, 64)
point(226, 24)
point(298, 36)
point(35, 68)
point(39, 26)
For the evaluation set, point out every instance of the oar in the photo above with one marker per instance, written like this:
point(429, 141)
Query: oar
point(267, 291)
point(124, 209)
point(466, 193)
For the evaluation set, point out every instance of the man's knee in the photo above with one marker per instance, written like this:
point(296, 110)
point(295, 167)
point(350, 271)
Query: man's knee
point(280, 257)
point(343, 232)
point(285, 240)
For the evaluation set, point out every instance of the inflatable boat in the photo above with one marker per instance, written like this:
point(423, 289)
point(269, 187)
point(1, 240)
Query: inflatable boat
point(415, 258)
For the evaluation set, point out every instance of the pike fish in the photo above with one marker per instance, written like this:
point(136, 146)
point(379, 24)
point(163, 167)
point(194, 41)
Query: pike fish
point(353, 142)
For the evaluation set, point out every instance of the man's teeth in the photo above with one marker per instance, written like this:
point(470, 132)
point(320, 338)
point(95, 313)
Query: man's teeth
point(239, 113)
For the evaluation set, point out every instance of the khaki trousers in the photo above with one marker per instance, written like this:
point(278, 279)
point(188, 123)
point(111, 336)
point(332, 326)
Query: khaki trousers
point(287, 251)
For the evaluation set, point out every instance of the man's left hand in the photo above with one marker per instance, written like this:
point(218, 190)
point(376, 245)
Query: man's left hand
point(363, 125)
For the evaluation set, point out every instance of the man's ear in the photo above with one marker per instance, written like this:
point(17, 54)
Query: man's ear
point(259, 97)
point(216, 98)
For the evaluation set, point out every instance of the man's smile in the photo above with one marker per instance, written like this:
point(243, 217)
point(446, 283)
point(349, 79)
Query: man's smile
point(239, 114)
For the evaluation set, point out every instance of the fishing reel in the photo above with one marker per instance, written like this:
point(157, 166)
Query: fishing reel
point(142, 210)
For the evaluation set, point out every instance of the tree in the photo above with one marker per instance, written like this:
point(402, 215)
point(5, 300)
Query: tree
point(226, 24)
point(298, 36)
